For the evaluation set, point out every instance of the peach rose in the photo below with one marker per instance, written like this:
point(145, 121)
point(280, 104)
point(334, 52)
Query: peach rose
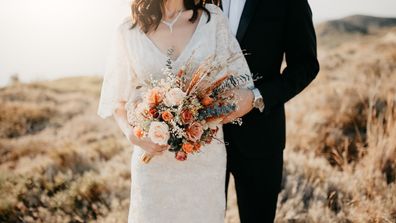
point(154, 97)
point(181, 156)
point(186, 116)
point(159, 133)
point(138, 132)
point(194, 132)
point(167, 116)
point(188, 148)
point(174, 97)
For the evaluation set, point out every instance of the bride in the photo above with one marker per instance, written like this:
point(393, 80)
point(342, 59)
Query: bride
point(167, 190)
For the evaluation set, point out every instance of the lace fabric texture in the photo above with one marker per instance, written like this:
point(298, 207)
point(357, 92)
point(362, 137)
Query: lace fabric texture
point(166, 190)
point(119, 79)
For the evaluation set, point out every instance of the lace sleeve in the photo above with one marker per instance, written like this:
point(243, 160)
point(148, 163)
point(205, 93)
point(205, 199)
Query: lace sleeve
point(227, 44)
point(118, 79)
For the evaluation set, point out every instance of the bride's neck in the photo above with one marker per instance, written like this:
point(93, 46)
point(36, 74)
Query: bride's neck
point(172, 7)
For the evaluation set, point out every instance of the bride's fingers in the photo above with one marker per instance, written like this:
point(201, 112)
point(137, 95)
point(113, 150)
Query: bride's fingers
point(154, 149)
point(229, 118)
point(153, 152)
point(161, 148)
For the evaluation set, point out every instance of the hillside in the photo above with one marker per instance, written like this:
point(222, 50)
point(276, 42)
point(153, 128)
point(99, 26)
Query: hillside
point(335, 32)
point(59, 162)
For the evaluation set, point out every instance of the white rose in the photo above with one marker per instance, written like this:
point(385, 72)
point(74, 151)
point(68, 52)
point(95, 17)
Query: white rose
point(174, 96)
point(140, 110)
point(159, 133)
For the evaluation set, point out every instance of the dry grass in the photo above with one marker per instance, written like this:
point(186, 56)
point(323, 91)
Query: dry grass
point(61, 163)
point(341, 148)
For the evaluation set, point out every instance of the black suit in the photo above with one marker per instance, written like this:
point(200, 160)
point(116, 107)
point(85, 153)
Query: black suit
point(268, 30)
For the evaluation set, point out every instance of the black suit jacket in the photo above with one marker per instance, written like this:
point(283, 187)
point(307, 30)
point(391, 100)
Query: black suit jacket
point(269, 31)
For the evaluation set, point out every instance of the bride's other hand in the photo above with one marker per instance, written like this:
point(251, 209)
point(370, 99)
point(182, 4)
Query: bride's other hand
point(120, 116)
point(147, 145)
point(244, 102)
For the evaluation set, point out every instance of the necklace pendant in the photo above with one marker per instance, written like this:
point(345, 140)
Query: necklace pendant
point(170, 24)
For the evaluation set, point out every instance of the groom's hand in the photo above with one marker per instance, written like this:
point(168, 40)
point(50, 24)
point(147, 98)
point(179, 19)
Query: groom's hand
point(244, 102)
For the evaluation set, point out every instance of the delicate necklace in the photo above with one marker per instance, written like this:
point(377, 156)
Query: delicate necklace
point(171, 23)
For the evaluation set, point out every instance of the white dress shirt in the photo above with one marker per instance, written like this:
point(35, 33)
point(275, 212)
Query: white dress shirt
point(233, 10)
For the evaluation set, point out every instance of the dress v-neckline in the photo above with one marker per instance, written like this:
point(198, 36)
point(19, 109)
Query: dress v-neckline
point(159, 51)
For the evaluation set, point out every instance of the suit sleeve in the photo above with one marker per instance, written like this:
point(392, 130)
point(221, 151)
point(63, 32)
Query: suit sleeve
point(301, 58)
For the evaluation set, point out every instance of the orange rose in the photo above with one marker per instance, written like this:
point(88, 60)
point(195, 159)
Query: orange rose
point(197, 146)
point(188, 148)
point(167, 116)
point(194, 132)
point(138, 132)
point(181, 156)
point(206, 101)
point(186, 116)
point(154, 97)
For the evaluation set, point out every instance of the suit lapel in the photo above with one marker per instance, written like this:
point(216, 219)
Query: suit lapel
point(246, 17)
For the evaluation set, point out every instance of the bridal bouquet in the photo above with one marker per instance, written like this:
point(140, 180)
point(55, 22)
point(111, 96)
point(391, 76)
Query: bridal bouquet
point(184, 109)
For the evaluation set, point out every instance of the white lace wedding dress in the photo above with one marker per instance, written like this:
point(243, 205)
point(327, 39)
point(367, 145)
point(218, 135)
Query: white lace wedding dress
point(167, 190)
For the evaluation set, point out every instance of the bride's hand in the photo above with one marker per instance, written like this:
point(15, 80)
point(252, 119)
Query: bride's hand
point(244, 102)
point(147, 145)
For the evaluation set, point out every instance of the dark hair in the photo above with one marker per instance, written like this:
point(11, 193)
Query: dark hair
point(147, 14)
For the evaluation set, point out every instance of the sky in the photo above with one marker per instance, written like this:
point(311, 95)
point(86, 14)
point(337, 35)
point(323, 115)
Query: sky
point(48, 39)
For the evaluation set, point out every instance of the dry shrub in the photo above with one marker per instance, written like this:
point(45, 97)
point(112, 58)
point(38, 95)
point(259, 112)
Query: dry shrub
point(86, 198)
point(59, 162)
point(340, 165)
point(20, 119)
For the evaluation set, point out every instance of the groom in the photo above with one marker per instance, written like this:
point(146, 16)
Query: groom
point(268, 30)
